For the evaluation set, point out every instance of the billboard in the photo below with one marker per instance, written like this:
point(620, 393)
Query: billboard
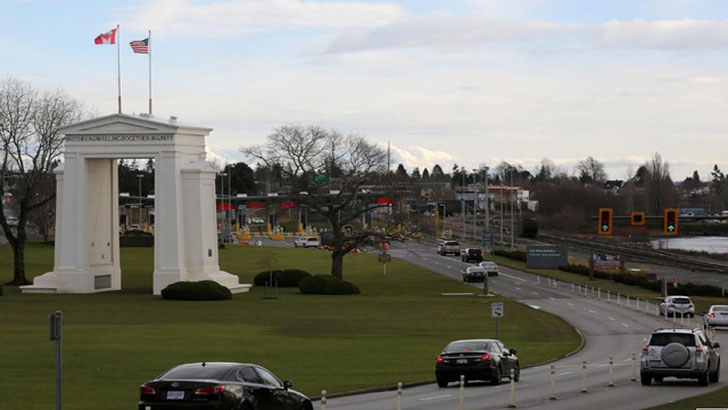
point(605, 261)
point(546, 256)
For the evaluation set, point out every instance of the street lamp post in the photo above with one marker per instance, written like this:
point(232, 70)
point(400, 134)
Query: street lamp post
point(512, 201)
point(139, 178)
point(222, 203)
point(486, 237)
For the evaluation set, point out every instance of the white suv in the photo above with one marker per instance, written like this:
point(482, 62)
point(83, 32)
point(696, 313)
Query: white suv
point(681, 353)
point(307, 242)
point(677, 305)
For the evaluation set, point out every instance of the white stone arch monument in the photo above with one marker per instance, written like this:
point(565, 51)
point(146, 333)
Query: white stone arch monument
point(87, 212)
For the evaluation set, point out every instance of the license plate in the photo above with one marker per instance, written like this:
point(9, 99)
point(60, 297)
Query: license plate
point(462, 361)
point(175, 395)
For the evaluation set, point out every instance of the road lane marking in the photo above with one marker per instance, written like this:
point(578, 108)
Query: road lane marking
point(625, 325)
point(435, 397)
point(534, 306)
point(534, 293)
point(611, 318)
point(569, 303)
point(552, 298)
point(512, 277)
point(592, 311)
point(517, 288)
point(564, 373)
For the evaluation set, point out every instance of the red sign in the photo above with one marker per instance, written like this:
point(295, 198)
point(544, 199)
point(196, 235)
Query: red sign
point(287, 204)
point(384, 201)
point(255, 205)
point(224, 205)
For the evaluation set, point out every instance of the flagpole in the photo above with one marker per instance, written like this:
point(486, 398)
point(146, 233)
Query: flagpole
point(118, 65)
point(149, 44)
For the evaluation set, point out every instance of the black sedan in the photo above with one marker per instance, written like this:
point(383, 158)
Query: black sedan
point(220, 386)
point(476, 359)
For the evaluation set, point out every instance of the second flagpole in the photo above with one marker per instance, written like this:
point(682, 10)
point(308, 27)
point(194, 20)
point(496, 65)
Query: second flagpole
point(118, 64)
point(149, 45)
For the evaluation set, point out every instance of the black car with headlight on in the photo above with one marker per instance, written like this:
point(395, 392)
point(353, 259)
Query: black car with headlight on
point(476, 359)
point(220, 386)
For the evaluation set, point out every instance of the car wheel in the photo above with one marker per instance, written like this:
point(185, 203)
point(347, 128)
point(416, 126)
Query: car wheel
point(307, 406)
point(658, 379)
point(703, 379)
point(497, 376)
point(645, 379)
point(441, 381)
point(517, 373)
point(715, 376)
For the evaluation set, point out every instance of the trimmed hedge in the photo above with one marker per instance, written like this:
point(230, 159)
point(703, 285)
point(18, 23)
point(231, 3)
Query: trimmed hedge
point(514, 254)
point(202, 290)
point(687, 289)
point(327, 285)
point(287, 278)
point(1, 290)
point(529, 228)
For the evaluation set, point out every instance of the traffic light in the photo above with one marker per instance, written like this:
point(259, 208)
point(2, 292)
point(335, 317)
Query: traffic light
point(605, 221)
point(671, 221)
point(638, 218)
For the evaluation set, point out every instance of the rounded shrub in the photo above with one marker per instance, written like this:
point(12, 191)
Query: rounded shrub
point(202, 290)
point(263, 277)
point(287, 278)
point(327, 285)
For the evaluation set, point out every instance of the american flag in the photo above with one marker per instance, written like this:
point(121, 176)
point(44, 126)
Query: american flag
point(140, 46)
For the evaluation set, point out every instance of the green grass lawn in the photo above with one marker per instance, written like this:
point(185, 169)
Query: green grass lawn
point(716, 399)
point(115, 341)
point(702, 303)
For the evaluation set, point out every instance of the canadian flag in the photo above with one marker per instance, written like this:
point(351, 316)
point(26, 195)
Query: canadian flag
point(106, 38)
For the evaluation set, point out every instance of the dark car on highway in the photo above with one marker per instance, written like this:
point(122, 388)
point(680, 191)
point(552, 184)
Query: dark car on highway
point(476, 359)
point(220, 386)
point(472, 255)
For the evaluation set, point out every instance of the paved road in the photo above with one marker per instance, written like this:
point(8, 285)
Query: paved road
point(608, 328)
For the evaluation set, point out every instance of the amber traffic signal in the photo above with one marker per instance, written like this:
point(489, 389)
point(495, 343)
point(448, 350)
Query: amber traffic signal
point(671, 221)
point(638, 218)
point(605, 221)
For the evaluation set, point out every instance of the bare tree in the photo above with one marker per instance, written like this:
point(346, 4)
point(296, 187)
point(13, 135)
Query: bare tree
point(590, 170)
point(329, 173)
point(30, 147)
point(658, 184)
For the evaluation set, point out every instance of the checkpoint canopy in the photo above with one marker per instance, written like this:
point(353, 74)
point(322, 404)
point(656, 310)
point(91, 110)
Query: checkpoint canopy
point(87, 230)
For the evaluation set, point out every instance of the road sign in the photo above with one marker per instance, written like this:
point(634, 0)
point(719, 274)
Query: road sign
point(487, 237)
point(385, 257)
point(496, 309)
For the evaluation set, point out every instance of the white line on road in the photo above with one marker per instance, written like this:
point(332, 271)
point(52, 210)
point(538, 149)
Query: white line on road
point(517, 288)
point(512, 277)
point(564, 373)
point(534, 306)
point(569, 303)
point(625, 325)
point(610, 318)
point(435, 397)
point(592, 311)
point(534, 293)
point(552, 298)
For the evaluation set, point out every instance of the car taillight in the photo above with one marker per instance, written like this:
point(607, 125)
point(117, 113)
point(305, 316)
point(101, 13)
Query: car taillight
point(144, 389)
point(210, 390)
point(699, 350)
point(440, 359)
point(712, 315)
point(646, 349)
point(485, 356)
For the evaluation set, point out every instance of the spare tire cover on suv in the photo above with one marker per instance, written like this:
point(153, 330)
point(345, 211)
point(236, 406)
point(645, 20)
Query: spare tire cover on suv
point(675, 354)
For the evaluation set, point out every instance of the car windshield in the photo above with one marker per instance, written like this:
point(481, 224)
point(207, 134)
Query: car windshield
point(488, 263)
point(196, 372)
point(475, 269)
point(474, 250)
point(663, 339)
point(468, 346)
point(720, 308)
point(451, 244)
point(681, 301)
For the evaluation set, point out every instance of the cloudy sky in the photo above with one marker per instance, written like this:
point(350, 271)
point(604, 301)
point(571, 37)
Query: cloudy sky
point(457, 81)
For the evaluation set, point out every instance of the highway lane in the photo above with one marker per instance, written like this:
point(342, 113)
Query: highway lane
point(608, 328)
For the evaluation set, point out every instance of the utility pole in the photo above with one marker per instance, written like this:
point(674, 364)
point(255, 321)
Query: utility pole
point(230, 206)
point(475, 205)
point(503, 175)
point(462, 198)
point(139, 177)
point(487, 210)
point(512, 201)
point(222, 203)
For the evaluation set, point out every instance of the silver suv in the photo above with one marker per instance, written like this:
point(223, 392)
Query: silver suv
point(677, 305)
point(681, 353)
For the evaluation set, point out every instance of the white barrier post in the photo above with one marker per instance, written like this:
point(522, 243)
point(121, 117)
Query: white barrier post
point(583, 376)
point(682, 315)
point(553, 383)
point(323, 399)
point(572, 287)
point(638, 304)
point(555, 283)
point(599, 293)
point(462, 392)
point(611, 371)
point(513, 389)
point(609, 297)
point(399, 396)
point(634, 366)
point(538, 279)
point(657, 310)
point(627, 301)
point(618, 297)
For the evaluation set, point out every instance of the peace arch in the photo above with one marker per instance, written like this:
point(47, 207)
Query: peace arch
point(87, 214)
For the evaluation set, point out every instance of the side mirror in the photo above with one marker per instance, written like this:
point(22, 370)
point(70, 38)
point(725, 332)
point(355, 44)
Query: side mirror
point(513, 351)
point(287, 384)
point(716, 345)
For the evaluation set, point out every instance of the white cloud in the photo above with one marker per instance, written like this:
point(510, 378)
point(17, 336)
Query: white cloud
point(665, 34)
point(414, 156)
point(238, 17)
